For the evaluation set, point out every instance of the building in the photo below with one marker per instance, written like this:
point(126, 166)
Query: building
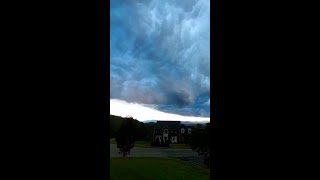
point(171, 130)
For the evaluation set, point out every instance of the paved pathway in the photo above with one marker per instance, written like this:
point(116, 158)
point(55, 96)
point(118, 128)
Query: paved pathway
point(184, 154)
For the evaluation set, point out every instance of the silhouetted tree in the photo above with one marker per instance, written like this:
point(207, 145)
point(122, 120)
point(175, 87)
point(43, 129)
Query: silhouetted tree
point(141, 130)
point(126, 137)
point(187, 139)
point(149, 131)
point(200, 142)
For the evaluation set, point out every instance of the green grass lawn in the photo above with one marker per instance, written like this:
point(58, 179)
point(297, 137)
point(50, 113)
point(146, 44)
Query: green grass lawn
point(155, 168)
point(146, 144)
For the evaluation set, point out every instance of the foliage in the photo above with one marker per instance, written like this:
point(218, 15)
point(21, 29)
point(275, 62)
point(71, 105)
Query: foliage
point(149, 130)
point(115, 124)
point(142, 131)
point(187, 139)
point(200, 141)
point(126, 137)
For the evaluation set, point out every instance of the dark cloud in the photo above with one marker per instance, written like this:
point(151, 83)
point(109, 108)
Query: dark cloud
point(200, 107)
point(160, 53)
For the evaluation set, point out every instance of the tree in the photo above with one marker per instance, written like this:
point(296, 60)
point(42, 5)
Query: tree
point(126, 137)
point(115, 124)
point(187, 138)
point(200, 142)
point(149, 131)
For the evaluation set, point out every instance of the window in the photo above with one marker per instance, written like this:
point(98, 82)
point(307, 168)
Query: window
point(189, 130)
point(166, 131)
point(182, 130)
point(174, 139)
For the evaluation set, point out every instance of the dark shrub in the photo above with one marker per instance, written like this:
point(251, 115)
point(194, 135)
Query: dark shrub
point(165, 144)
point(154, 143)
point(125, 137)
point(207, 161)
point(157, 143)
point(199, 142)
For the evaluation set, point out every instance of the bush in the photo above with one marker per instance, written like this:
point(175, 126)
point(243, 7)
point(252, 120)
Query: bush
point(154, 143)
point(166, 144)
point(125, 137)
point(200, 141)
point(207, 161)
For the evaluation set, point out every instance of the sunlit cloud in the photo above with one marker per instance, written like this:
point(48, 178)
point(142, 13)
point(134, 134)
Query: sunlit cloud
point(143, 113)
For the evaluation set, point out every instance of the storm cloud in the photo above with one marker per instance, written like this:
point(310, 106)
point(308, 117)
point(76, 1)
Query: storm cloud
point(160, 54)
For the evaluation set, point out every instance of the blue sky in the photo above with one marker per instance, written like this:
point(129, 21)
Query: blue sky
point(160, 55)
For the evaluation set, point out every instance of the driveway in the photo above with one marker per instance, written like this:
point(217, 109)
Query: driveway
point(184, 154)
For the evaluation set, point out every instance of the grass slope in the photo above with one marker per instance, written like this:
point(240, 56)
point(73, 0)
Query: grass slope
point(155, 168)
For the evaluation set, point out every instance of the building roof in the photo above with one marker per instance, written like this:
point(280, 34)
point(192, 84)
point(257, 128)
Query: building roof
point(185, 126)
point(169, 124)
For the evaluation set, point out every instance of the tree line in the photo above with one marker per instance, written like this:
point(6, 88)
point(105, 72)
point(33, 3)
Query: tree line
point(142, 131)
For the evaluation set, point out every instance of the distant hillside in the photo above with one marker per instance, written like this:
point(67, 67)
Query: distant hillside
point(150, 121)
point(193, 123)
point(189, 123)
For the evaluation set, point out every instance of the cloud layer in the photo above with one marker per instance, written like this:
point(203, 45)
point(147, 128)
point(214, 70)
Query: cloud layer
point(123, 109)
point(160, 54)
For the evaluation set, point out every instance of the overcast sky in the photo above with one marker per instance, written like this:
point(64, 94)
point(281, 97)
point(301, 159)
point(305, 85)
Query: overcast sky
point(160, 57)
